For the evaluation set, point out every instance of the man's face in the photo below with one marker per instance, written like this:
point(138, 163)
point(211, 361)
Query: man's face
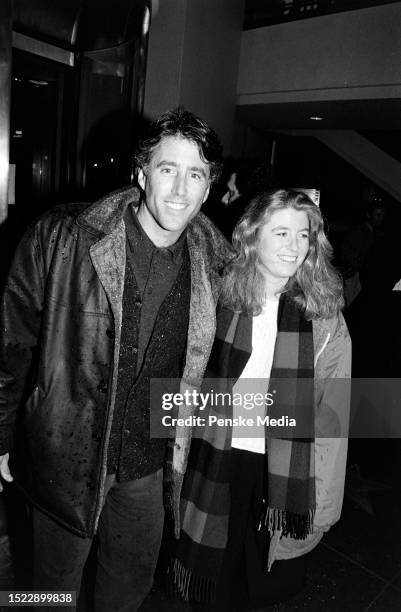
point(176, 183)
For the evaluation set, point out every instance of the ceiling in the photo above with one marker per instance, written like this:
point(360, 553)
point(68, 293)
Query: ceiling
point(79, 25)
point(379, 114)
point(350, 114)
point(260, 13)
point(89, 24)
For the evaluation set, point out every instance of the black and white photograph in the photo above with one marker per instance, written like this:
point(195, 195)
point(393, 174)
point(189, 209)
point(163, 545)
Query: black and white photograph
point(200, 305)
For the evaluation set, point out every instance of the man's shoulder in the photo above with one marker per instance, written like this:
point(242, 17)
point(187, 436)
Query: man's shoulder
point(205, 237)
point(62, 214)
point(202, 226)
point(57, 221)
point(99, 216)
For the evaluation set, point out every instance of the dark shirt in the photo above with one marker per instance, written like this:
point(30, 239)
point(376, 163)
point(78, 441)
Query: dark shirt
point(150, 275)
point(155, 270)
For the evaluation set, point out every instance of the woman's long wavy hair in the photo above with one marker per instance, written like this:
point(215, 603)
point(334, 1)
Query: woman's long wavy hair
point(316, 286)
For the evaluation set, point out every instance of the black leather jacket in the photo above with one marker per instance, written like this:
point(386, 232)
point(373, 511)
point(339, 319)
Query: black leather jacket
point(60, 324)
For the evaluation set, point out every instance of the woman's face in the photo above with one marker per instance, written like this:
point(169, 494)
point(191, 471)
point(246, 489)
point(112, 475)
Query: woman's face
point(284, 244)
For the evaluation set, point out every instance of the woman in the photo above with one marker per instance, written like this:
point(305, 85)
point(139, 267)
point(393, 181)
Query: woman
point(251, 508)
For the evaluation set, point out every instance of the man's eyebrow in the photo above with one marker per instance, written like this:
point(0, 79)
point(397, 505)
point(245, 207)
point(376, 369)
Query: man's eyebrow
point(166, 162)
point(283, 227)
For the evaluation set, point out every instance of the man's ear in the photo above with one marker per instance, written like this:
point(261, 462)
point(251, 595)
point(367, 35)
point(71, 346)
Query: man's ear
point(141, 179)
point(205, 197)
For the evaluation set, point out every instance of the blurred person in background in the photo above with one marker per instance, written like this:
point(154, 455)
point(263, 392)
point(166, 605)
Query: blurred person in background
point(356, 246)
point(240, 182)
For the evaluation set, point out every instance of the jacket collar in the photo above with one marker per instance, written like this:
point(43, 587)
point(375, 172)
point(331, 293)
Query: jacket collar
point(103, 216)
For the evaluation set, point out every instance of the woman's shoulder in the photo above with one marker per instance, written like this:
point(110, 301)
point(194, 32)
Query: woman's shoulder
point(333, 348)
point(335, 325)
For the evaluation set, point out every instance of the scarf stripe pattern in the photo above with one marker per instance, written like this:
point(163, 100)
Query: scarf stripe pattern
point(289, 502)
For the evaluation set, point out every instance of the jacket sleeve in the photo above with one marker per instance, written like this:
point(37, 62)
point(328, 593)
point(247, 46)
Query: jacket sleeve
point(20, 315)
point(333, 394)
point(332, 397)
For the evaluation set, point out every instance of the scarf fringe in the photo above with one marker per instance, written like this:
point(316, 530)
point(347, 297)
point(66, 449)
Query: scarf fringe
point(297, 526)
point(190, 586)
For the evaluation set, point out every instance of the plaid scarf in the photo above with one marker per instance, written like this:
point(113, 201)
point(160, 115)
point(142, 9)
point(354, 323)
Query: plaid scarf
point(290, 491)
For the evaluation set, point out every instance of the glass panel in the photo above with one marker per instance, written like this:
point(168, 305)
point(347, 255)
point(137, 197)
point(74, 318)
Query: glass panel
point(105, 131)
point(41, 130)
point(5, 70)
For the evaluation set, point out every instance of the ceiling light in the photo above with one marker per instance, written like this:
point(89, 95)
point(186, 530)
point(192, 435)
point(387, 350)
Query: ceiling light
point(37, 83)
point(316, 118)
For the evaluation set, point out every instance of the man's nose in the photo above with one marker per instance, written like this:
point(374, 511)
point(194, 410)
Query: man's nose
point(180, 184)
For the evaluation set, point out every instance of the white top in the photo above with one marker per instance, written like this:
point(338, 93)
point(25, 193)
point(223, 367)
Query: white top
point(258, 368)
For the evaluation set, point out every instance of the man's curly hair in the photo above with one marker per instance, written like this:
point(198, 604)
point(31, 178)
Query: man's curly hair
point(183, 124)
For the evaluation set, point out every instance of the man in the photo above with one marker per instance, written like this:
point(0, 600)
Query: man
point(241, 181)
point(356, 247)
point(99, 301)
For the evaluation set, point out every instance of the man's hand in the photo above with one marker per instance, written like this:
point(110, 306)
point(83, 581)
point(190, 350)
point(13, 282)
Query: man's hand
point(5, 470)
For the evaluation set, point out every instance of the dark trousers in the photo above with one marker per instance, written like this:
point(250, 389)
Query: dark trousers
point(129, 535)
point(244, 581)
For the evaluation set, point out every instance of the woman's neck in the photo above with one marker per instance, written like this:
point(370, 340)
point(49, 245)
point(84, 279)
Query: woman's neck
point(273, 288)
